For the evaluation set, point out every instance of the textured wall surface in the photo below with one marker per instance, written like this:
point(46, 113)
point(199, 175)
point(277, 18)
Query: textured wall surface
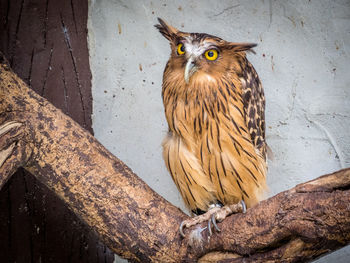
point(303, 60)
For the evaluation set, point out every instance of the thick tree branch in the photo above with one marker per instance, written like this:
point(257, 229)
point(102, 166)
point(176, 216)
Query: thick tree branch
point(135, 222)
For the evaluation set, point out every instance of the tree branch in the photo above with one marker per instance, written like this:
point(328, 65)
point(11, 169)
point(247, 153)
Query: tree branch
point(134, 221)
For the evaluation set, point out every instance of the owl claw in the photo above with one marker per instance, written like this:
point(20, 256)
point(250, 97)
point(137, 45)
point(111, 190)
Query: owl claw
point(181, 229)
point(220, 214)
point(213, 215)
point(213, 220)
point(244, 207)
point(209, 227)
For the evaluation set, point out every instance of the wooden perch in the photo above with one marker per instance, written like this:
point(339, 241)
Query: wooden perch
point(296, 225)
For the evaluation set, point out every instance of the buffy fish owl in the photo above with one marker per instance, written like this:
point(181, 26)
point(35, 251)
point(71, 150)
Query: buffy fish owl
point(214, 104)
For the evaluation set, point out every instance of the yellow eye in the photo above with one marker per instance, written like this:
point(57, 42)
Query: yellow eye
point(211, 54)
point(180, 49)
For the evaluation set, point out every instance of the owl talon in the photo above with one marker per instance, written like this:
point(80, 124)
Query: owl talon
point(244, 207)
point(213, 220)
point(181, 229)
point(209, 228)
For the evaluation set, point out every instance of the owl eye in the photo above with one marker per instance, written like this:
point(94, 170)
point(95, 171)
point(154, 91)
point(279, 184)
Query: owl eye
point(180, 49)
point(211, 54)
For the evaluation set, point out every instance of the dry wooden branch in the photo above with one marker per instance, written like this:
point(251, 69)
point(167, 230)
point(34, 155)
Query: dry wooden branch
point(135, 222)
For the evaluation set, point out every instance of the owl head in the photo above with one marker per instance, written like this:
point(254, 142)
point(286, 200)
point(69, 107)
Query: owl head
point(200, 55)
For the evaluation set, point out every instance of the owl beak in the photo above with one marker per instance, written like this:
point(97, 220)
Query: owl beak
point(190, 69)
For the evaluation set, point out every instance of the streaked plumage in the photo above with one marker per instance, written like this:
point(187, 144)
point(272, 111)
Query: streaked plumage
point(215, 149)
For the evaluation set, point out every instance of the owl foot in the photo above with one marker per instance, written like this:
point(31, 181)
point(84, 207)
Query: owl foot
point(223, 212)
point(212, 216)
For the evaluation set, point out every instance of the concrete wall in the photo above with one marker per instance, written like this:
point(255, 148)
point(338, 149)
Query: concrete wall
point(302, 59)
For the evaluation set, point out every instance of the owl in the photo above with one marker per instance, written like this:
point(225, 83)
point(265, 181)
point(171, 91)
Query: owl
point(214, 104)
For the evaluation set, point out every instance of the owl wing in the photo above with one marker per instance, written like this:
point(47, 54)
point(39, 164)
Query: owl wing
point(254, 107)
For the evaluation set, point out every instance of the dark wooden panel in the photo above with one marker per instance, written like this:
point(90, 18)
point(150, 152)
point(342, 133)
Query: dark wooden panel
point(46, 44)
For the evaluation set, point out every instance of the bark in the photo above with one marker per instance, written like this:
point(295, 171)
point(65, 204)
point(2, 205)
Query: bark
point(296, 225)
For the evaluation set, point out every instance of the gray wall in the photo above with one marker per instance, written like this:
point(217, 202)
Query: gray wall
point(302, 59)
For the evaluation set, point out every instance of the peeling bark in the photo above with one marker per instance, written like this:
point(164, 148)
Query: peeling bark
point(296, 225)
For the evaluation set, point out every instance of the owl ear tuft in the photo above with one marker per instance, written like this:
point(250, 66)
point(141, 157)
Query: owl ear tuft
point(166, 30)
point(238, 47)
